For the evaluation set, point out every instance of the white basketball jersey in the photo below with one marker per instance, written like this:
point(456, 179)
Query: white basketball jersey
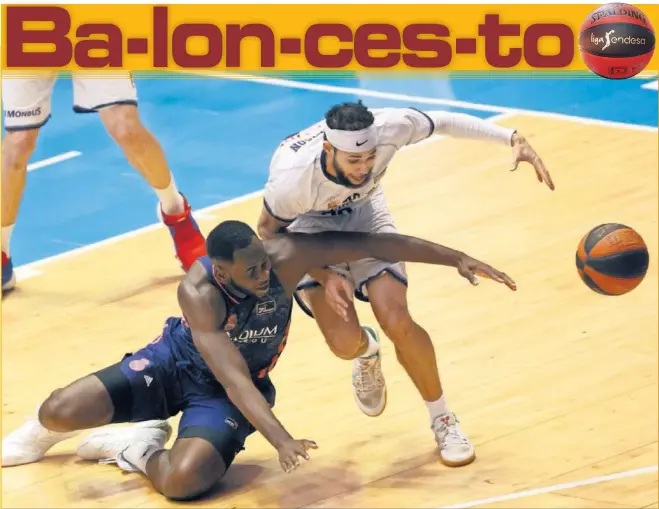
point(298, 185)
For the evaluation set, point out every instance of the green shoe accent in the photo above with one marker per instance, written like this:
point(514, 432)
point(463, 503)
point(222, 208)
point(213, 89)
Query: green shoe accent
point(371, 332)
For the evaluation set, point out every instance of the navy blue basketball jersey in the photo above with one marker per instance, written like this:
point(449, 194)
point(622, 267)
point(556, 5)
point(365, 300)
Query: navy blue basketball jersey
point(257, 326)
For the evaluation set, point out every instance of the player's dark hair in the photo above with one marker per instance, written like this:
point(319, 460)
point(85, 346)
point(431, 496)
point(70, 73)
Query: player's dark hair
point(227, 237)
point(349, 116)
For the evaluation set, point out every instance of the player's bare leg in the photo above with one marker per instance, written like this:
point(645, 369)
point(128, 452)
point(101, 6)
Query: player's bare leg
point(82, 405)
point(145, 154)
point(189, 469)
point(416, 353)
point(17, 148)
point(348, 340)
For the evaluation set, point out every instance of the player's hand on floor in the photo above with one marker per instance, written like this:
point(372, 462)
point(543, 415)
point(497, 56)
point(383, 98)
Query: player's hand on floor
point(469, 268)
point(338, 294)
point(522, 151)
point(291, 451)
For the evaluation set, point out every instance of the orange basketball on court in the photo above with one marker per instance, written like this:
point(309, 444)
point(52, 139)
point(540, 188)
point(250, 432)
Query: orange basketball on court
point(617, 41)
point(612, 259)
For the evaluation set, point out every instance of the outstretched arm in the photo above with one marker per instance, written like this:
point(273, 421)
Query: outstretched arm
point(421, 124)
point(461, 125)
point(305, 252)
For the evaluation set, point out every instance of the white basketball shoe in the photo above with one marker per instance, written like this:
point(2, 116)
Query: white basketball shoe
point(105, 445)
point(30, 443)
point(368, 385)
point(455, 449)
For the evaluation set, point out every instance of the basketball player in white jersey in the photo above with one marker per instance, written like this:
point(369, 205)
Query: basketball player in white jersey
point(27, 108)
point(327, 177)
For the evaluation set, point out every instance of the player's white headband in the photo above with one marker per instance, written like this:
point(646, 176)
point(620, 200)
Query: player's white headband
point(352, 141)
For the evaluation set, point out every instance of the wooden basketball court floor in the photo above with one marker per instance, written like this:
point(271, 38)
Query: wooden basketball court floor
point(555, 385)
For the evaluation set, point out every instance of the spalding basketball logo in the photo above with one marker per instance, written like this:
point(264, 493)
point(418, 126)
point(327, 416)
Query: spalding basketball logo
point(617, 41)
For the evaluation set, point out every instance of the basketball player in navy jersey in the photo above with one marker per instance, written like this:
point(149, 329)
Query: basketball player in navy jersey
point(213, 363)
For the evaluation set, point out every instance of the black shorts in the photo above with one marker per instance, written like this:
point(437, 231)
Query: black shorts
point(153, 384)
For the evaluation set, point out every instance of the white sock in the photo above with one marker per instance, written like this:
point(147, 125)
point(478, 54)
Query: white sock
point(170, 198)
point(373, 346)
point(139, 453)
point(6, 237)
point(437, 408)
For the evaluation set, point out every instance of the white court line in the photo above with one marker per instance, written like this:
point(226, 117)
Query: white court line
point(25, 272)
point(53, 160)
point(334, 89)
point(653, 85)
point(556, 487)
point(35, 268)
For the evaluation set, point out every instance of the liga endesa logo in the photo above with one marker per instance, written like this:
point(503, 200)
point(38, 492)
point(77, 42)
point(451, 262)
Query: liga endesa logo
point(418, 45)
point(609, 39)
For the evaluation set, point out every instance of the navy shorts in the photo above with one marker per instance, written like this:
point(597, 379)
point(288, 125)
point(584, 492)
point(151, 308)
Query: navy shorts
point(157, 383)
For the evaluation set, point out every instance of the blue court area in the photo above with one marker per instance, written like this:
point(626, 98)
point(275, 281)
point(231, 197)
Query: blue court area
point(219, 135)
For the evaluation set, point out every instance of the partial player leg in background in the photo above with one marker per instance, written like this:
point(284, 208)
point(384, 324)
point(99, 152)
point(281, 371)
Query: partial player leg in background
point(26, 104)
point(115, 99)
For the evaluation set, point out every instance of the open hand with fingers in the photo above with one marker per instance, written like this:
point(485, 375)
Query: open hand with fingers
point(339, 294)
point(291, 450)
point(522, 151)
point(469, 268)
